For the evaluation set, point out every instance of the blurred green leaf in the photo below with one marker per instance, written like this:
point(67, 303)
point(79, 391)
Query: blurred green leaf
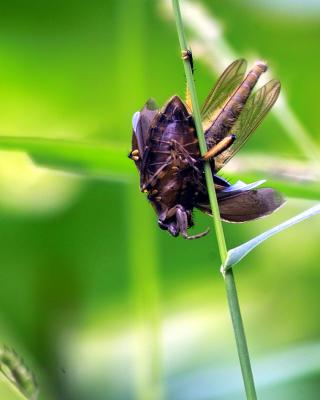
point(14, 369)
point(8, 391)
point(71, 156)
point(111, 162)
point(238, 253)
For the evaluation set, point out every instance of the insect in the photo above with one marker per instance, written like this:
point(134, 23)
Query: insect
point(166, 152)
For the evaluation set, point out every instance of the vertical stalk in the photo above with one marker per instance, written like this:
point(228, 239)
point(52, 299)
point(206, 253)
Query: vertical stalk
point(240, 335)
point(229, 278)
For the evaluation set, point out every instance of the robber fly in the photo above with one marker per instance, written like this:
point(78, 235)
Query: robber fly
point(166, 151)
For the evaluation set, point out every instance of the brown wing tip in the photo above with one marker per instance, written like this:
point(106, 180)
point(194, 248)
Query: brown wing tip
point(279, 200)
point(274, 88)
point(272, 198)
point(240, 61)
point(277, 85)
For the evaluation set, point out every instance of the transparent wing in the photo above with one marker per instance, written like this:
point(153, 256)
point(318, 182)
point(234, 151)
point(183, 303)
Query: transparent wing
point(227, 83)
point(254, 111)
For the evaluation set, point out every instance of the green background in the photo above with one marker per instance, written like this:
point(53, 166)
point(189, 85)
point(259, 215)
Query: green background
point(98, 301)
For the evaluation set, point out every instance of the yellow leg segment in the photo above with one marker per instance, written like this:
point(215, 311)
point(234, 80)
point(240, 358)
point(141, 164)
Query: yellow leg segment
point(219, 147)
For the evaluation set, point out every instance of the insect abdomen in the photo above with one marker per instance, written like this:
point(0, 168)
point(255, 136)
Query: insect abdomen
point(232, 109)
point(241, 95)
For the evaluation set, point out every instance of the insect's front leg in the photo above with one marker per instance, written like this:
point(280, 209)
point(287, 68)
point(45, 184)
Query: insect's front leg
point(171, 227)
point(182, 224)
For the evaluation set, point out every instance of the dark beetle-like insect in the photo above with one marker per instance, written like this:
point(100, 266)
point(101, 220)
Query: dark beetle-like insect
point(166, 152)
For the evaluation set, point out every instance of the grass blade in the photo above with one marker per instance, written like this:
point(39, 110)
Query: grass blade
point(96, 159)
point(8, 391)
point(109, 161)
point(238, 253)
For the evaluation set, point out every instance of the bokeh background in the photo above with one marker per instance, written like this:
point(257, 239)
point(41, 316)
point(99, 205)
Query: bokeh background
point(98, 301)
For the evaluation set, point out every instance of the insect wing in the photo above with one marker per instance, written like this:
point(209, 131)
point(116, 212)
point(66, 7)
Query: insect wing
point(250, 205)
point(225, 86)
point(141, 123)
point(254, 111)
point(238, 187)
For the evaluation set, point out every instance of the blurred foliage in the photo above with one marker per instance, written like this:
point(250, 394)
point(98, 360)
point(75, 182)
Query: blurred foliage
point(13, 367)
point(8, 391)
point(95, 297)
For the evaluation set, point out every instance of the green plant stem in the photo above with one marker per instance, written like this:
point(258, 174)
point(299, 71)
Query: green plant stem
point(240, 335)
point(202, 143)
point(229, 278)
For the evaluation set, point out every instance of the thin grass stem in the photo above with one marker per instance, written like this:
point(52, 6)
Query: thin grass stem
point(229, 278)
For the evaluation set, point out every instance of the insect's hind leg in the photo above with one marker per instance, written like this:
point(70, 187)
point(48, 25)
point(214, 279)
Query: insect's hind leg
point(219, 148)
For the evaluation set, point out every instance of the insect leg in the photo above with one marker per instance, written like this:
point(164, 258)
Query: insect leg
point(187, 162)
point(220, 147)
point(155, 176)
point(134, 155)
point(171, 227)
point(187, 55)
point(182, 224)
point(178, 149)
